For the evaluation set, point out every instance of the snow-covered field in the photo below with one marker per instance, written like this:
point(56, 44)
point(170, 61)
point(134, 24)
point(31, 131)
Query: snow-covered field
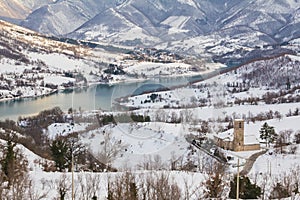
point(142, 142)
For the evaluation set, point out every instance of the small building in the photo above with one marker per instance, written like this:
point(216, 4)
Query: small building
point(24, 123)
point(69, 118)
point(237, 139)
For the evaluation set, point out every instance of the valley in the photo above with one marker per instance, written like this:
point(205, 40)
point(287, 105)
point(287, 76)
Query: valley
point(158, 99)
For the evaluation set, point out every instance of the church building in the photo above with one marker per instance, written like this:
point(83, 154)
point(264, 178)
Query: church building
point(237, 139)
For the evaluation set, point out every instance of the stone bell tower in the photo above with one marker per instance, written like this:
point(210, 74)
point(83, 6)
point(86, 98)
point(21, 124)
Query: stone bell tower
point(238, 133)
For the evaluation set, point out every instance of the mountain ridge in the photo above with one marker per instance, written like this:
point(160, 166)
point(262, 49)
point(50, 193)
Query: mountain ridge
point(202, 28)
point(20, 9)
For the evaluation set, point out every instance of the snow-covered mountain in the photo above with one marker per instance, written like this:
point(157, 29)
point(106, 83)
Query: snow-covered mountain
point(225, 30)
point(32, 64)
point(20, 9)
point(64, 16)
point(160, 20)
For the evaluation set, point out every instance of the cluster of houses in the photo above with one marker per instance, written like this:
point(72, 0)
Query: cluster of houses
point(154, 55)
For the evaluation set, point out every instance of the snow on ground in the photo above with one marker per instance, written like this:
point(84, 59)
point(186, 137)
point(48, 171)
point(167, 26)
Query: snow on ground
point(34, 161)
point(140, 141)
point(58, 80)
point(276, 164)
point(210, 112)
point(176, 23)
point(151, 69)
point(272, 168)
point(155, 138)
point(63, 129)
point(279, 162)
point(26, 92)
point(58, 61)
point(7, 67)
point(144, 139)
point(294, 58)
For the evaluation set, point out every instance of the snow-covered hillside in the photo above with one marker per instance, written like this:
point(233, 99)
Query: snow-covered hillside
point(36, 65)
point(230, 29)
point(154, 146)
point(20, 9)
point(203, 110)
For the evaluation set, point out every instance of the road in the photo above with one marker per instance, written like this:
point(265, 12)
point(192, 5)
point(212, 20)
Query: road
point(250, 161)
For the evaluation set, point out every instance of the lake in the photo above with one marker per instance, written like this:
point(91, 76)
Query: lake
point(99, 96)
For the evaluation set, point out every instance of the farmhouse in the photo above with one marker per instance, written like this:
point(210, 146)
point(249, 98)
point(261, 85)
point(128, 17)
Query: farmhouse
point(237, 139)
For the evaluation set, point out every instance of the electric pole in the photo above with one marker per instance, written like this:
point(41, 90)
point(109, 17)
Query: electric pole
point(72, 167)
point(238, 180)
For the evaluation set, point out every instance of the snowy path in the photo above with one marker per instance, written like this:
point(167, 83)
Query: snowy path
point(249, 163)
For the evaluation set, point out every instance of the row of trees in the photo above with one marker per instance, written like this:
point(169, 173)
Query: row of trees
point(282, 139)
point(15, 183)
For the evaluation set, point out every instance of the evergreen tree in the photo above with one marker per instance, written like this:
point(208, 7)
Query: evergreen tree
point(14, 179)
point(76, 150)
point(59, 151)
point(8, 162)
point(63, 149)
point(247, 190)
point(267, 133)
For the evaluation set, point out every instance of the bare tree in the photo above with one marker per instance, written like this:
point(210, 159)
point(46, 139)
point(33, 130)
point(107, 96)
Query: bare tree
point(297, 137)
point(160, 115)
point(159, 186)
point(110, 148)
point(174, 161)
point(154, 186)
point(89, 185)
point(123, 186)
point(62, 186)
point(286, 184)
point(192, 190)
point(283, 139)
point(34, 194)
point(152, 163)
point(278, 115)
point(186, 116)
point(265, 185)
point(216, 182)
point(174, 118)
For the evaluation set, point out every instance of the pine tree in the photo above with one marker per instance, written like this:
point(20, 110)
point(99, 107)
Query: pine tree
point(267, 133)
point(8, 162)
point(63, 149)
point(76, 150)
point(14, 179)
point(59, 151)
